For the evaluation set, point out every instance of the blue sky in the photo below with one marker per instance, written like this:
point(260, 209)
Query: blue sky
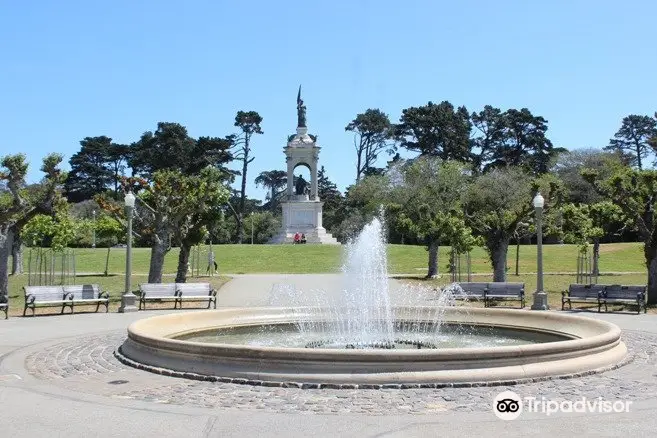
point(71, 69)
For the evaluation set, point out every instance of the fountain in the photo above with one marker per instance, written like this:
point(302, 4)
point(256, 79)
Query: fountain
point(356, 337)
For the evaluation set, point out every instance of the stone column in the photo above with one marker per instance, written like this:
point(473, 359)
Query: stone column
point(290, 178)
point(313, 177)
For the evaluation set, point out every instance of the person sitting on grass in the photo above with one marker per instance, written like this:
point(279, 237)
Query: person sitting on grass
point(297, 238)
point(303, 238)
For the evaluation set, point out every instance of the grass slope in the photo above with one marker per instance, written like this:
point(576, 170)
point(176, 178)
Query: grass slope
point(402, 259)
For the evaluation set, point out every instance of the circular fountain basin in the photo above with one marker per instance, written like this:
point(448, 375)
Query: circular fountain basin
point(534, 345)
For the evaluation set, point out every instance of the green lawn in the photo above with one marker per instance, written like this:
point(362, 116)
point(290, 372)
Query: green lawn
point(402, 259)
point(411, 261)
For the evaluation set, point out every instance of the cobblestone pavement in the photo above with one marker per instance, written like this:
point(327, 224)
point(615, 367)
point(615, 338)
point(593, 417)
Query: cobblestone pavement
point(92, 357)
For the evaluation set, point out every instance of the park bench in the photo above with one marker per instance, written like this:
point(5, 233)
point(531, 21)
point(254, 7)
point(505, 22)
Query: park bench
point(471, 291)
point(502, 291)
point(582, 293)
point(197, 292)
point(4, 305)
point(158, 292)
point(46, 296)
point(617, 294)
point(88, 294)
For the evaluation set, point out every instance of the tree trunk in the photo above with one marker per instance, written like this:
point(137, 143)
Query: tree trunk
point(358, 170)
point(17, 256)
point(596, 256)
point(183, 263)
point(638, 156)
point(245, 165)
point(107, 261)
point(517, 257)
point(158, 251)
point(498, 254)
point(434, 248)
point(6, 240)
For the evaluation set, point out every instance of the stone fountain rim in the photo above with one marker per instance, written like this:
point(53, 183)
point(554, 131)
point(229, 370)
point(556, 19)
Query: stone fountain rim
point(182, 323)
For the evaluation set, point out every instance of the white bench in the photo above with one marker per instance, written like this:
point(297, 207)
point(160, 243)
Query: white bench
point(503, 291)
point(177, 292)
point(158, 292)
point(46, 296)
point(88, 294)
point(197, 292)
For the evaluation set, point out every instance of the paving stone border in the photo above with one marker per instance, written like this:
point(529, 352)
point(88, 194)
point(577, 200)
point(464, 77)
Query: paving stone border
point(92, 359)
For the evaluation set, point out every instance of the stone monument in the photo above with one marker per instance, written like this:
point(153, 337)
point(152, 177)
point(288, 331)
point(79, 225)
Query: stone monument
point(302, 208)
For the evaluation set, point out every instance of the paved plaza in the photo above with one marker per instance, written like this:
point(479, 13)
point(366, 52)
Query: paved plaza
point(59, 377)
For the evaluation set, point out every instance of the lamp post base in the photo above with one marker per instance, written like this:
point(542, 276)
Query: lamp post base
point(540, 301)
point(128, 303)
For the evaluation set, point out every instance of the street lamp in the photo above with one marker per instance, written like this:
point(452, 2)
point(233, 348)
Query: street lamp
point(540, 297)
point(93, 242)
point(251, 228)
point(128, 298)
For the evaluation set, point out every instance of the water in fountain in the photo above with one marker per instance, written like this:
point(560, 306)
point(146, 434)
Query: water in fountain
point(360, 315)
point(368, 313)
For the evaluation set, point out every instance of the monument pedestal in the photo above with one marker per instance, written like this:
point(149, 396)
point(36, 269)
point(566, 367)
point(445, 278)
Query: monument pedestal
point(303, 217)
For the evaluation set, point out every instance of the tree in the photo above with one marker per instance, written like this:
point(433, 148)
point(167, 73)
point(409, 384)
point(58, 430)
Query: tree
point(633, 137)
point(426, 204)
point(274, 180)
point(116, 162)
point(171, 148)
point(90, 173)
point(586, 223)
point(373, 133)
point(436, 130)
point(110, 231)
point(333, 200)
point(206, 197)
point(17, 209)
point(633, 191)
point(523, 143)
point(249, 124)
point(171, 199)
point(490, 135)
point(568, 168)
point(495, 205)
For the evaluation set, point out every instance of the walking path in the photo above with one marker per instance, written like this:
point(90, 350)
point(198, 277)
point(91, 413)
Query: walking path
point(58, 377)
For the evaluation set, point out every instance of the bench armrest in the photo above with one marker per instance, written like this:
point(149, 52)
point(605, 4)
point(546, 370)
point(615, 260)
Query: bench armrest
point(29, 298)
point(68, 296)
point(564, 293)
point(601, 294)
point(213, 292)
point(104, 294)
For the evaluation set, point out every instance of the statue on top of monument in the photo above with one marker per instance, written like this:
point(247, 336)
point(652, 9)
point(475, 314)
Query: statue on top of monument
point(301, 111)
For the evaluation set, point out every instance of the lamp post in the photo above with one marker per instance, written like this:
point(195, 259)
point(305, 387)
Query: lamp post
point(128, 298)
point(251, 228)
point(93, 241)
point(540, 297)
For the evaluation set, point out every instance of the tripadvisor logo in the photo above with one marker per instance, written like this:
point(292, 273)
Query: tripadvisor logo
point(508, 405)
